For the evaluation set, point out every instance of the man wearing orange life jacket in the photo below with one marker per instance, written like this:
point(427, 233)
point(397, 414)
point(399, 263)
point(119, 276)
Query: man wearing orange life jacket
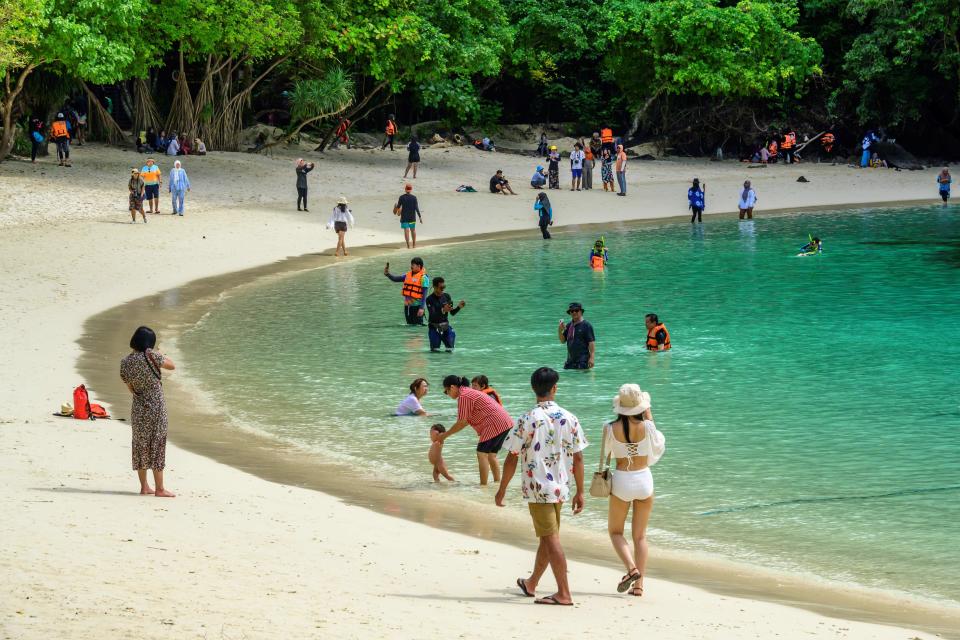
point(60, 134)
point(788, 144)
point(606, 140)
point(390, 130)
point(658, 338)
point(415, 285)
point(827, 141)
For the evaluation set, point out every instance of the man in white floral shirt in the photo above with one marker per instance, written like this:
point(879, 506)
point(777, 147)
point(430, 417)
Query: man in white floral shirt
point(547, 444)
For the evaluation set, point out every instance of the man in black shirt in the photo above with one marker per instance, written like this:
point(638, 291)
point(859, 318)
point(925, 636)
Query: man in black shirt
point(439, 304)
point(409, 210)
point(499, 184)
point(579, 338)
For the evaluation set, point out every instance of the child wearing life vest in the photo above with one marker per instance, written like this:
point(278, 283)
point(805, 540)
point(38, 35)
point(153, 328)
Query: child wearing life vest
point(542, 206)
point(812, 248)
point(943, 183)
point(598, 254)
point(482, 383)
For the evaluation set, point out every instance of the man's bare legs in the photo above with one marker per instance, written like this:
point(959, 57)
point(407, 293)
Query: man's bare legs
point(406, 237)
point(550, 552)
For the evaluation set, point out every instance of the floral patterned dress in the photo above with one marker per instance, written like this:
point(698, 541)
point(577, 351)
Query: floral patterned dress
point(148, 417)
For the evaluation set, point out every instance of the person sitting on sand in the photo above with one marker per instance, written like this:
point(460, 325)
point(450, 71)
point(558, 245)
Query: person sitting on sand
point(482, 383)
point(499, 184)
point(410, 406)
point(436, 454)
point(943, 184)
point(201, 148)
point(876, 162)
point(136, 188)
point(539, 178)
point(142, 371)
point(173, 147)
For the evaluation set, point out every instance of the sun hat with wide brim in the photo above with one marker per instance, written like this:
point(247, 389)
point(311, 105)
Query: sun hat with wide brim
point(343, 200)
point(631, 401)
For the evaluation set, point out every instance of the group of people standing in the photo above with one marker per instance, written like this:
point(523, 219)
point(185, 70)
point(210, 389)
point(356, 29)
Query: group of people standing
point(145, 183)
point(583, 159)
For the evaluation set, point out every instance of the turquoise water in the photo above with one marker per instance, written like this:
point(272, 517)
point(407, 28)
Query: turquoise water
point(809, 404)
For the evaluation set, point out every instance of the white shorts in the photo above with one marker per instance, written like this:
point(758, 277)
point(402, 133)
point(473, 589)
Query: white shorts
point(632, 485)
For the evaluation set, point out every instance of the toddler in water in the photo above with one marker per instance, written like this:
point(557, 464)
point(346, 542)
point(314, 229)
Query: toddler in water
point(436, 454)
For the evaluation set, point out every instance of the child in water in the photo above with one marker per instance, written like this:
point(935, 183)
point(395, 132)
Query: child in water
point(812, 248)
point(435, 456)
point(482, 383)
point(598, 254)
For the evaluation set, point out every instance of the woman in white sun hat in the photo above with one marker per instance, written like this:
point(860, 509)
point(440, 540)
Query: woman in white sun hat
point(633, 440)
point(339, 220)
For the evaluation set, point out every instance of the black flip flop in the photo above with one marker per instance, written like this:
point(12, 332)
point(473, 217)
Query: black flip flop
point(628, 581)
point(552, 601)
point(523, 588)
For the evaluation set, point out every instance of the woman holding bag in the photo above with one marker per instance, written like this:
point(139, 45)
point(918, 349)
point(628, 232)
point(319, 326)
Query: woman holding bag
point(633, 440)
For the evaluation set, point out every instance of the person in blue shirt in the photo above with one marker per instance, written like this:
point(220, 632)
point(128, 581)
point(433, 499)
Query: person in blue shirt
point(943, 181)
point(542, 207)
point(697, 199)
point(866, 144)
point(539, 178)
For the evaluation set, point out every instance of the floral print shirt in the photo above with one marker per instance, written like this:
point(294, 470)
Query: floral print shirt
point(545, 439)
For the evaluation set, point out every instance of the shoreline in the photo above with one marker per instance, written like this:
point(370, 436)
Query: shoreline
point(237, 556)
point(274, 460)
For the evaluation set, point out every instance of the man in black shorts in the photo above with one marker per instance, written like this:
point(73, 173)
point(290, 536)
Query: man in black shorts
point(499, 184)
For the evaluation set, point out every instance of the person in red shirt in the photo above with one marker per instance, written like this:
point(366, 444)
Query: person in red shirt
point(488, 418)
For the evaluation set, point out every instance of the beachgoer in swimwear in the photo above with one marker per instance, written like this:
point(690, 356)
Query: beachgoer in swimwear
point(435, 456)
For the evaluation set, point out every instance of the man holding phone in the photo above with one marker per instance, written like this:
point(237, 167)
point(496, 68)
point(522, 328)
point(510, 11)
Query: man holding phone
point(579, 338)
point(439, 307)
point(415, 285)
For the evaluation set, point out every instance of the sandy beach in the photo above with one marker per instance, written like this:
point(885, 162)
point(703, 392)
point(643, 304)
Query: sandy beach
point(239, 556)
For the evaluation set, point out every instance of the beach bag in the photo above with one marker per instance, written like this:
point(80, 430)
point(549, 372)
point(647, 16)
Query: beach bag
point(465, 188)
point(37, 137)
point(98, 412)
point(81, 404)
point(600, 484)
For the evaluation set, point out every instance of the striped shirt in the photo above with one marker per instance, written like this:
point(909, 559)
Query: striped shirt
point(482, 412)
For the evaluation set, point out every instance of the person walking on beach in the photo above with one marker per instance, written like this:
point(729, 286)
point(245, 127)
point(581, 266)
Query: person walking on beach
point(413, 157)
point(553, 168)
point(303, 168)
point(606, 170)
point(748, 199)
point(481, 412)
point(178, 184)
point(410, 406)
point(340, 219)
point(621, 170)
point(408, 209)
point(579, 337)
point(141, 371)
point(635, 444)
point(696, 199)
point(943, 183)
point(439, 307)
point(390, 130)
point(545, 212)
point(152, 178)
point(136, 187)
point(415, 285)
point(577, 157)
point(547, 444)
point(61, 137)
point(36, 139)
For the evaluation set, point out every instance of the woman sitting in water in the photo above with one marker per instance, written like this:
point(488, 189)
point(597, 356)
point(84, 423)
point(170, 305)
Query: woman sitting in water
point(410, 406)
point(633, 440)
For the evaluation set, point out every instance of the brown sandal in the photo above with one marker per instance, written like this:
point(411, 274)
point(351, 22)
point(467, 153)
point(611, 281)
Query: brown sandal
point(637, 589)
point(627, 581)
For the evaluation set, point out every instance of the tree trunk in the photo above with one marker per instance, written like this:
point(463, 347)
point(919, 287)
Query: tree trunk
point(181, 119)
point(8, 104)
point(99, 121)
point(640, 113)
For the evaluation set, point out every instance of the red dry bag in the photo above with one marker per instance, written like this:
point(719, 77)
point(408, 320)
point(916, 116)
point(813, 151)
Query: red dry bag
point(81, 403)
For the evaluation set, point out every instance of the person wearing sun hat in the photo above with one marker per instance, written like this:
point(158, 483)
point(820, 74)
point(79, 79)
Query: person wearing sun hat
point(553, 168)
point(340, 219)
point(579, 337)
point(633, 441)
point(136, 187)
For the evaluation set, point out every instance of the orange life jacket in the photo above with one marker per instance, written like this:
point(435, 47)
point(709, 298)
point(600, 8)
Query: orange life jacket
point(772, 148)
point(652, 343)
point(59, 130)
point(413, 285)
point(789, 139)
point(391, 127)
point(606, 135)
point(596, 262)
point(827, 141)
point(490, 391)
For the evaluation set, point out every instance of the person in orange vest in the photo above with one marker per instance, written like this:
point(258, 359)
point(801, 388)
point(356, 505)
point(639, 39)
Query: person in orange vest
point(416, 282)
point(390, 130)
point(827, 141)
point(606, 140)
point(341, 136)
point(61, 136)
point(658, 338)
point(788, 145)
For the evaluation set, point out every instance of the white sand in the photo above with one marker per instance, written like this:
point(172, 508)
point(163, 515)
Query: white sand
point(234, 556)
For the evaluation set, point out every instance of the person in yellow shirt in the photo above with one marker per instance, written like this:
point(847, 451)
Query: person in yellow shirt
point(152, 178)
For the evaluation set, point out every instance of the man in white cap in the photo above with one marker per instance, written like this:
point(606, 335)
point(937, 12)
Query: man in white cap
point(178, 184)
point(60, 134)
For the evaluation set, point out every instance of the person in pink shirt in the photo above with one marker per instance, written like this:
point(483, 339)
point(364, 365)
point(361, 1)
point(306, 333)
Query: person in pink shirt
point(622, 170)
point(487, 417)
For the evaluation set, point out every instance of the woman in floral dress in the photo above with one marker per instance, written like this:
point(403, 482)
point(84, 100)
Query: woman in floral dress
point(141, 371)
point(606, 170)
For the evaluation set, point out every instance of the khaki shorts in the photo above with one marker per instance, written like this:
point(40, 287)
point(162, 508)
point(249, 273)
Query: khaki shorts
point(546, 517)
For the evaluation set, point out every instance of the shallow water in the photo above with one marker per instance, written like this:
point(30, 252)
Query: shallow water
point(809, 404)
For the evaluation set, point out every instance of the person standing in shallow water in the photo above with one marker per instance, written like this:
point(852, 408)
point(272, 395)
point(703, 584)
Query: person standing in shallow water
point(748, 199)
point(415, 285)
point(481, 412)
point(579, 338)
point(303, 168)
point(696, 199)
point(141, 371)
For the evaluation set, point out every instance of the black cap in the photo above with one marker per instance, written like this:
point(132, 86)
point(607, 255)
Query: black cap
point(574, 306)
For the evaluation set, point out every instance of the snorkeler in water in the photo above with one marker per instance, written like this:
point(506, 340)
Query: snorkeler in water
point(812, 248)
point(598, 254)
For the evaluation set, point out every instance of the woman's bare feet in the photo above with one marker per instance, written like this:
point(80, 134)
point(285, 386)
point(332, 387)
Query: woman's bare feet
point(163, 493)
point(146, 491)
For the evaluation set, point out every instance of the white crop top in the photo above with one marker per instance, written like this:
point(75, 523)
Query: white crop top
point(628, 449)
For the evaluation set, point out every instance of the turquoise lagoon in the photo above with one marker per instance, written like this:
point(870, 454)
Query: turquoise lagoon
point(810, 405)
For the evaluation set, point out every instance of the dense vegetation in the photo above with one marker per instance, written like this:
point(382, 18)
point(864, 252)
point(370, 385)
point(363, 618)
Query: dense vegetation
point(693, 74)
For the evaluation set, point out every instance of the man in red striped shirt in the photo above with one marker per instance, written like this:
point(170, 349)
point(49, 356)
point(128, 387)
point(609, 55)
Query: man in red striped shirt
point(487, 417)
